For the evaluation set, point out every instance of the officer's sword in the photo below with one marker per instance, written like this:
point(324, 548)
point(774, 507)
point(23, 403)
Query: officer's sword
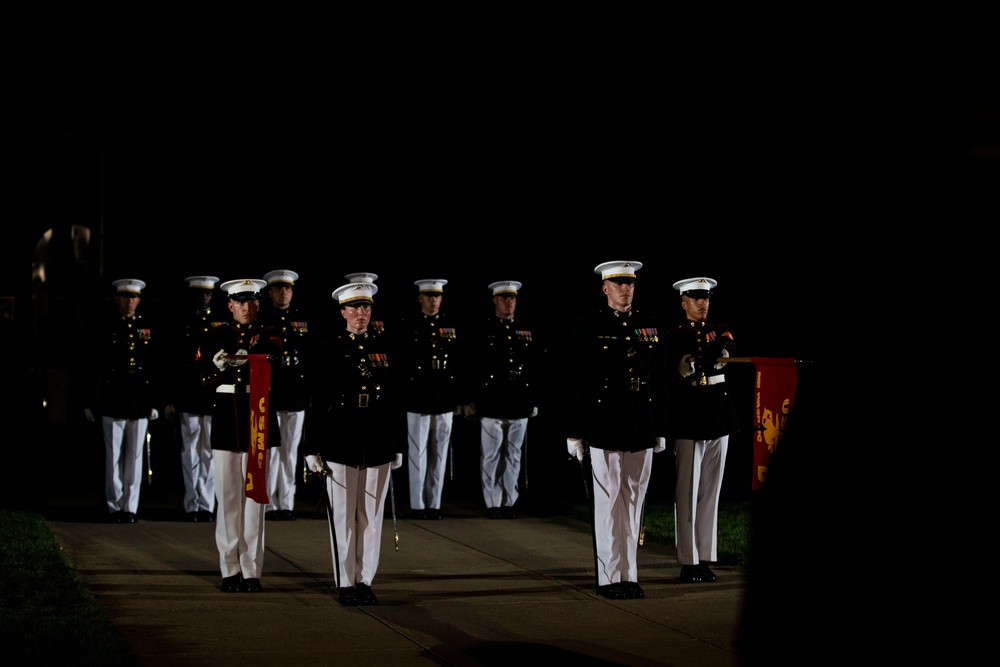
point(329, 515)
point(451, 452)
point(524, 455)
point(642, 522)
point(149, 458)
point(392, 504)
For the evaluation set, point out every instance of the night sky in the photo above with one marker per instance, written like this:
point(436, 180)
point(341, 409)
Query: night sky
point(784, 195)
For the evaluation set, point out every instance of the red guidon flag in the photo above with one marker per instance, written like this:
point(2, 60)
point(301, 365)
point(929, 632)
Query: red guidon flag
point(260, 381)
point(774, 395)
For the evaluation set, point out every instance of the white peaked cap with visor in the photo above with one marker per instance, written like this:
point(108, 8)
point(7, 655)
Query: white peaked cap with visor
point(355, 293)
point(616, 271)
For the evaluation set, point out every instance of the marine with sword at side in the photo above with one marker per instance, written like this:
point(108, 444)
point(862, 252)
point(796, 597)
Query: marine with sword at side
point(615, 410)
point(351, 430)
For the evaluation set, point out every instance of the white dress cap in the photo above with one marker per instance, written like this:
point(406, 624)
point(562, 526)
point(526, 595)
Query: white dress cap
point(202, 282)
point(505, 287)
point(241, 290)
point(700, 284)
point(361, 277)
point(282, 276)
point(431, 286)
point(129, 286)
point(613, 270)
point(351, 292)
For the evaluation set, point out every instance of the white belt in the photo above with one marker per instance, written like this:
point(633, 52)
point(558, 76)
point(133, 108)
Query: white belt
point(710, 379)
point(228, 389)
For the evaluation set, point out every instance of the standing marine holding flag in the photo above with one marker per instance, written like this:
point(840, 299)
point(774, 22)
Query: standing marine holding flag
point(615, 410)
point(244, 426)
point(352, 430)
point(700, 418)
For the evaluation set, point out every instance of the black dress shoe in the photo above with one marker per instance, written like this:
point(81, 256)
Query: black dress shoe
point(633, 591)
point(272, 515)
point(434, 514)
point(365, 594)
point(289, 515)
point(117, 517)
point(193, 516)
point(348, 596)
point(130, 517)
point(206, 516)
point(691, 574)
point(250, 586)
point(230, 584)
point(508, 513)
point(706, 572)
point(492, 512)
point(611, 591)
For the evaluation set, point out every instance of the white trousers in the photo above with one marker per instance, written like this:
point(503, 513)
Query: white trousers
point(429, 437)
point(700, 465)
point(239, 523)
point(620, 482)
point(282, 461)
point(123, 443)
point(197, 465)
point(500, 459)
point(357, 497)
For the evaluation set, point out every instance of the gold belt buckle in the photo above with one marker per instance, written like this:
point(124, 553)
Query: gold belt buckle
point(633, 384)
point(436, 364)
point(703, 380)
point(362, 400)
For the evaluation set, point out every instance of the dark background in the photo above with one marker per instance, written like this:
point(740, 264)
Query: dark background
point(805, 199)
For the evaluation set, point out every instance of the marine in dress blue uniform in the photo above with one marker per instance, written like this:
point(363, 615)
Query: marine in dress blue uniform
point(353, 433)
point(506, 392)
point(430, 346)
point(700, 419)
point(615, 409)
point(190, 402)
point(239, 526)
point(122, 373)
point(289, 390)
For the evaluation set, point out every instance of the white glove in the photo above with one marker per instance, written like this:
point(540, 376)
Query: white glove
point(534, 412)
point(719, 366)
point(469, 410)
point(238, 362)
point(397, 462)
point(154, 414)
point(686, 366)
point(575, 448)
point(661, 444)
point(314, 463)
point(88, 414)
point(218, 360)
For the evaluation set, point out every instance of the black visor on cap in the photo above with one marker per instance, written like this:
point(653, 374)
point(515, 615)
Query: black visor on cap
point(622, 280)
point(698, 293)
point(244, 296)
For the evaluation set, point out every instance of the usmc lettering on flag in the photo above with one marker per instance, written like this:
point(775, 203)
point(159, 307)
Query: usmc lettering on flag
point(260, 381)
